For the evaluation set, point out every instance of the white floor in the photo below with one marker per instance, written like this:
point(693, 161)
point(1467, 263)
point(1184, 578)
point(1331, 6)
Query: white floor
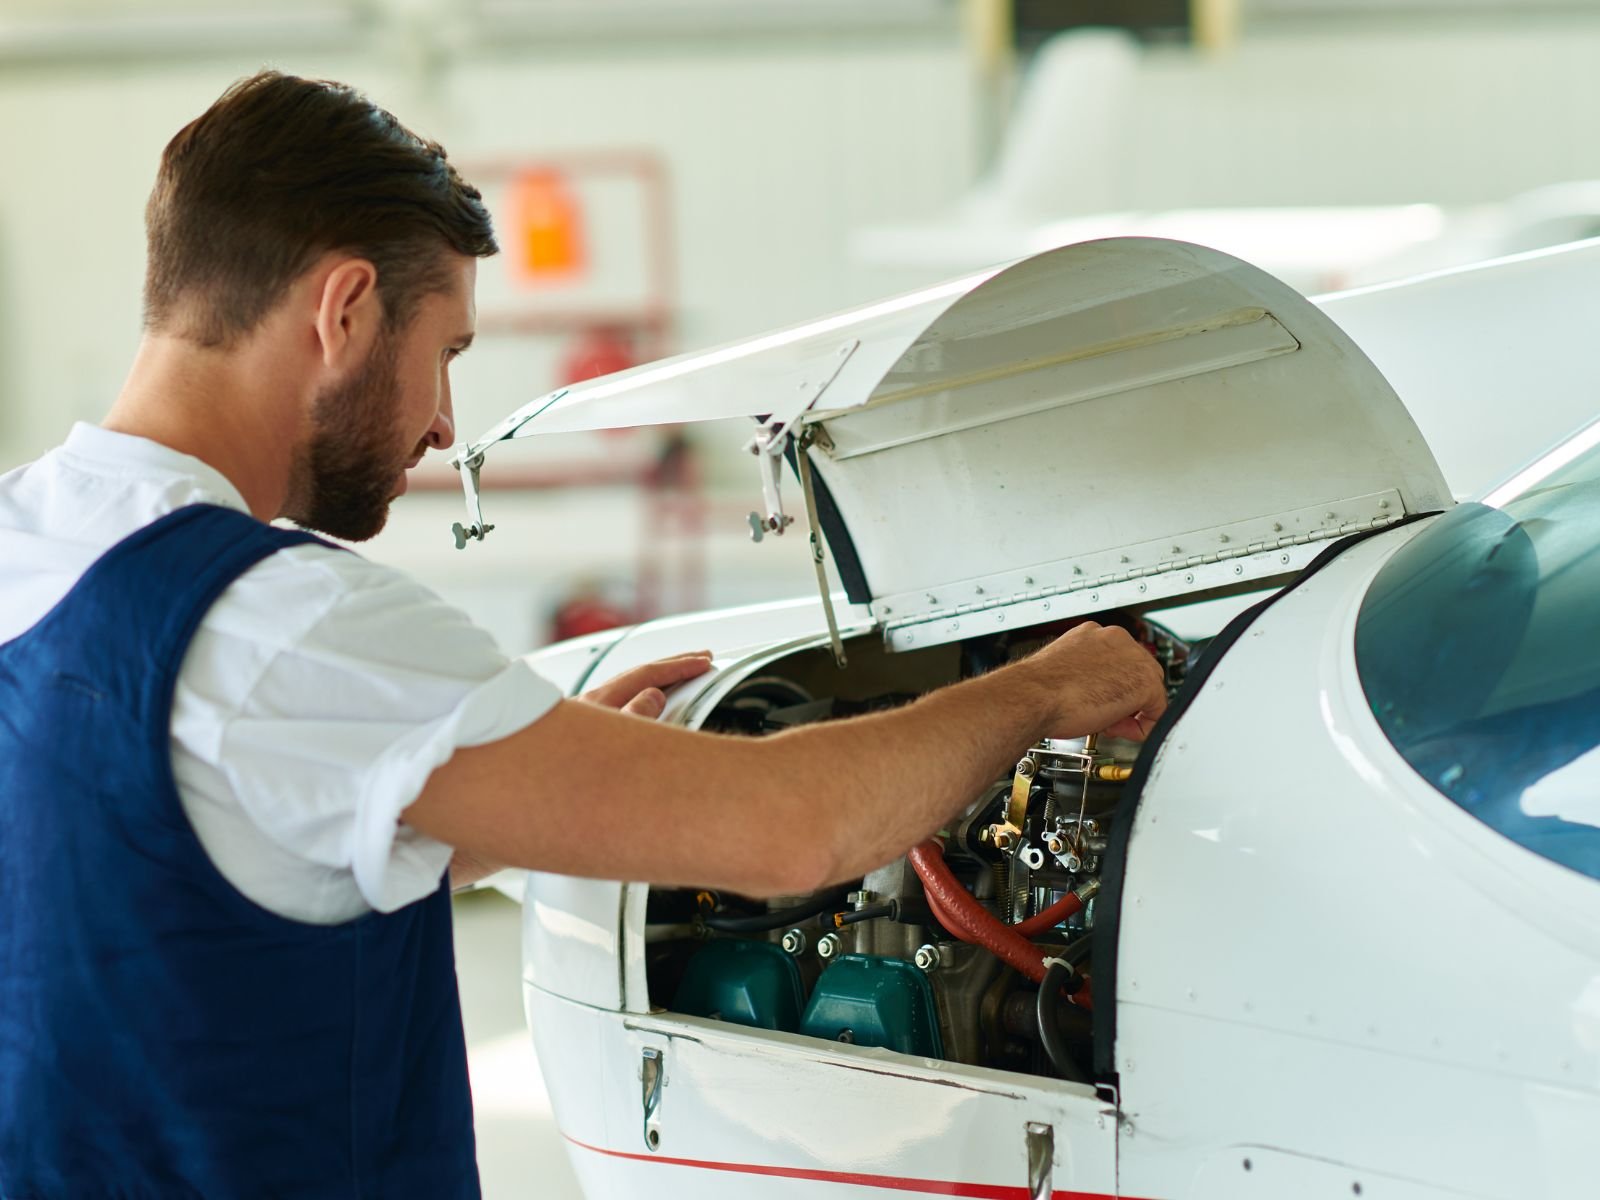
point(520, 1154)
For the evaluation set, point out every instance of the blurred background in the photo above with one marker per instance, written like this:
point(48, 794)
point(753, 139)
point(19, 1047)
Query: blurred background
point(671, 174)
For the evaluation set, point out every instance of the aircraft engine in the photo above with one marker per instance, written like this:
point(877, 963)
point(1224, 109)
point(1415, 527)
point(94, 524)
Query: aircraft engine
point(975, 947)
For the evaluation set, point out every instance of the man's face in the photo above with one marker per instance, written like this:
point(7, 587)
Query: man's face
point(372, 427)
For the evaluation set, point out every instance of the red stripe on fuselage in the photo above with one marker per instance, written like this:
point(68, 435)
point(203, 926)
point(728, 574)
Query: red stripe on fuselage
point(893, 1183)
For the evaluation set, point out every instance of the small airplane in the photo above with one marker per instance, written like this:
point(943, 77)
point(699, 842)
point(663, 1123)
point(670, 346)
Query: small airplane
point(1332, 930)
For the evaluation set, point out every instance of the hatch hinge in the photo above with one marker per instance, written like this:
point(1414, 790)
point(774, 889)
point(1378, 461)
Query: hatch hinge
point(771, 443)
point(768, 446)
point(469, 461)
point(1133, 575)
point(469, 466)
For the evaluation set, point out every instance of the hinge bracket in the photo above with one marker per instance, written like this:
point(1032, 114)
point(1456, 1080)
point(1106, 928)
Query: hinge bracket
point(772, 441)
point(469, 467)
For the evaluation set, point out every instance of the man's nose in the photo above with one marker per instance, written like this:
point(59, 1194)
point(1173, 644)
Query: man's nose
point(442, 433)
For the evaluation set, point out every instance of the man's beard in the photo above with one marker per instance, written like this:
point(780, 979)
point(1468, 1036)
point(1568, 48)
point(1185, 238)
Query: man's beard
point(344, 477)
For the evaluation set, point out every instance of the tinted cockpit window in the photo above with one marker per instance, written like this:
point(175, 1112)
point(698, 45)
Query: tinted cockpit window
point(1478, 647)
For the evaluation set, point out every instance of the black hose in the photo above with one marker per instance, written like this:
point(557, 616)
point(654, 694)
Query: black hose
point(1077, 951)
point(778, 918)
point(870, 912)
point(1057, 976)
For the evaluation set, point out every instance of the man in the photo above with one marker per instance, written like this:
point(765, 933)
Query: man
point(236, 762)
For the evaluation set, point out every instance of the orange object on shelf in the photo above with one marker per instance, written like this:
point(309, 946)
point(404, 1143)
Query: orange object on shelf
point(545, 231)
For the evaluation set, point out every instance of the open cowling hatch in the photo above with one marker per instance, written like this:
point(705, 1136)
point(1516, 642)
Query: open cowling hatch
point(1105, 424)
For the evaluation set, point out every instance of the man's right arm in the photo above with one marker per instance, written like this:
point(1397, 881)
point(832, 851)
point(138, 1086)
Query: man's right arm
point(590, 791)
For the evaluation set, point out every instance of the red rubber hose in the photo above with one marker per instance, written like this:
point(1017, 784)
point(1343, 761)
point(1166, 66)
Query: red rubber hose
point(947, 920)
point(1044, 919)
point(947, 896)
point(1049, 918)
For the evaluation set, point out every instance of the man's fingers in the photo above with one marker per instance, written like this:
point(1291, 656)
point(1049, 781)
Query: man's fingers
point(649, 703)
point(1135, 728)
point(663, 673)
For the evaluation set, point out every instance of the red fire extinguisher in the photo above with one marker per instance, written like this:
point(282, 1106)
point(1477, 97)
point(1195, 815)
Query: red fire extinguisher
point(598, 350)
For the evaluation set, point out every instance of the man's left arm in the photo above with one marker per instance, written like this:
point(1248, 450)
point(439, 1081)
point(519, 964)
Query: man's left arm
point(641, 692)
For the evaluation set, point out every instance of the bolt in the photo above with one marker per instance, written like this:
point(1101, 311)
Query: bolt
point(1055, 843)
point(932, 599)
point(794, 942)
point(1027, 581)
point(859, 899)
point(1027, 768)
point(828, 945)
point(1004, 840)
point(927, 958)
point(887, 610)
point(847, 1036)
point(978, 591)
point(1328, 516)
point(1224, 538)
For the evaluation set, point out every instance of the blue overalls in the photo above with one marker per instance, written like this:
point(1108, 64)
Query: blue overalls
point(160, 1034)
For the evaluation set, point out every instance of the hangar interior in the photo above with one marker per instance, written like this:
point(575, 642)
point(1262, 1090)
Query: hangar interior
point(672, 175)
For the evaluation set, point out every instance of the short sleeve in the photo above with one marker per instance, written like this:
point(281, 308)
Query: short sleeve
point(326, 689)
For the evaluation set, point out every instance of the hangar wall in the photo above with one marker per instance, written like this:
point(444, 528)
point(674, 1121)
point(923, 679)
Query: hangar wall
point(1456, 113)
point(780, 146)
point(767, 189)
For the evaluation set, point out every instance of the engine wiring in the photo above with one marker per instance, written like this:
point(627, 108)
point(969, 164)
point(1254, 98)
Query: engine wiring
point(778, 918)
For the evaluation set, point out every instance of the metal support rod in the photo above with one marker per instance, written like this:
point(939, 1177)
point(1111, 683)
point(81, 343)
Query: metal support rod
point(818, 554)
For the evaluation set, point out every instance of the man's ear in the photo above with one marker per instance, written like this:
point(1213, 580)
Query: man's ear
point(349, 312)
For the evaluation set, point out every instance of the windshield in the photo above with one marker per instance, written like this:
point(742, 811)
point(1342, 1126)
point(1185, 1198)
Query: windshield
point(1478, 647)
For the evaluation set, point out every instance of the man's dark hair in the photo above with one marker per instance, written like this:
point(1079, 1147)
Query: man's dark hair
point(278, 172)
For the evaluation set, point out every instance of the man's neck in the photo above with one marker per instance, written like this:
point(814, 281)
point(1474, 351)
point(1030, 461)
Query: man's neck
point(232, 409)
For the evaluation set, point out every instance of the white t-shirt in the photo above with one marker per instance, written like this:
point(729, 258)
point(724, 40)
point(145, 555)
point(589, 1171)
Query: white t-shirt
point(318, 695)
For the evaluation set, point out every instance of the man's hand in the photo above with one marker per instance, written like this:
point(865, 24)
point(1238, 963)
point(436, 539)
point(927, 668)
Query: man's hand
point(640, 691)
point(1104, 681)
